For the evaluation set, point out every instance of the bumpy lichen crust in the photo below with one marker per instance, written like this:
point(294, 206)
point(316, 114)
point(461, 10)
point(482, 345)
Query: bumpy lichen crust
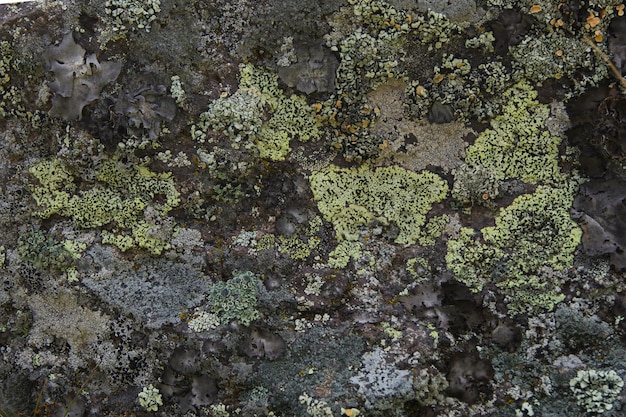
point(518, 144)
point(353, 197)
point(235, 299)
point(120, 196)
point(259, 114)
point(596, 390)
point(532, 237)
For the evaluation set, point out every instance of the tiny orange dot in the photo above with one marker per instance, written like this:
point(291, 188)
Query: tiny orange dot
point(559, 53)
point(535, 9)
point(485, 196)
point(438, 78)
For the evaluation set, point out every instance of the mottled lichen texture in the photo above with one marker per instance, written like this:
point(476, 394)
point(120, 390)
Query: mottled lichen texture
point(324, 208)
point(124, 198)
point(532, 238)
point(518, 143)
point(351, 198)
point(259, 115)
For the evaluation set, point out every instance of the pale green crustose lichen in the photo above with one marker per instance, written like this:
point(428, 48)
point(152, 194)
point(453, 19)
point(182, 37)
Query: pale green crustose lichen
point(122, 197)
point(259, 115)
point(532, 237)
point(518, 144)
point(351, 198)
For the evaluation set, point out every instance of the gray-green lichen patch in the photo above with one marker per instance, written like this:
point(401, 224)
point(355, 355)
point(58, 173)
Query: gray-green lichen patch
point(155, 291)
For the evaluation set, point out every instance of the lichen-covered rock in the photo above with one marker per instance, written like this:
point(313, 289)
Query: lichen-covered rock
point(380, 382)
point(600, 208)
point(259, 115)
point(236, 299)
point(130, 199)
point(314, 70)
point(596, 390)
point(146, 108)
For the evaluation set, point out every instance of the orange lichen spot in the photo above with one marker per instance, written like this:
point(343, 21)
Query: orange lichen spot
point(420, 91)
point(535, 9)
point(317, 106)
point(485, 196)
point(559, 23)
point(367, 109)
point(408, 18)
point(376, 111)
point(338, 104)
point(365, 123)
point(438, 78)
point(557, 76)
point(337, 145)
point(593, 20)
point(384, 145)
point(598, 36)
point(353, 129)
point(559, 53)
point(620, 9)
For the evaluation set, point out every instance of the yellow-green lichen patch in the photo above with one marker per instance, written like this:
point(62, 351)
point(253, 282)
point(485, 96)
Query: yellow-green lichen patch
point(350, 198)
point(532, 240)
point(518, 144)
point(344, 252)
point(300, 246)
point(259, 115)
point(120, 197)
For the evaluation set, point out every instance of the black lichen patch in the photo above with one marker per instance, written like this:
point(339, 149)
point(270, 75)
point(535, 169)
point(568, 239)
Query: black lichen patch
point(469, 377)
point(601, 206)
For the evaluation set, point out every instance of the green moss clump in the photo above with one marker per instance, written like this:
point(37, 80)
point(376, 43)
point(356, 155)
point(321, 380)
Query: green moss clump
point(518, 144)
point(350, 198)
point(119, 197)
point(532, 238)
point(259, 115)
point(235, 299)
